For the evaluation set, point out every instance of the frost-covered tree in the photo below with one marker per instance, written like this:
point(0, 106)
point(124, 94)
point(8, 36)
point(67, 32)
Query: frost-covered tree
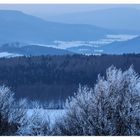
point(6, 101)
point(12, 113)
point(19, 114)
point(40, 124)
point(74, 122)
point(37, 124)
point(15, 118)
point(112, 107)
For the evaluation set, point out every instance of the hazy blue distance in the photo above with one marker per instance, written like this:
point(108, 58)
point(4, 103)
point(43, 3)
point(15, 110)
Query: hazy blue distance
point(46, 10)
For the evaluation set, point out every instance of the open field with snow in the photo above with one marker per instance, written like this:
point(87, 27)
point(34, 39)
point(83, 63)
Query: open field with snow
point(51, 114)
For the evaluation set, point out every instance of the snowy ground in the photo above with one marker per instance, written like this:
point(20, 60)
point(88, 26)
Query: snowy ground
point(51, 114)
point(98, 43)
point(88, 47)
point(55, 114)
point(8, 55)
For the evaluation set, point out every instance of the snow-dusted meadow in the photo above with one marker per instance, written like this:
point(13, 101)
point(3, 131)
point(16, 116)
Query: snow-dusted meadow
point(98, 43)
point(49, 114)
point(9, 55)
point(91, 47)
point(60, 44)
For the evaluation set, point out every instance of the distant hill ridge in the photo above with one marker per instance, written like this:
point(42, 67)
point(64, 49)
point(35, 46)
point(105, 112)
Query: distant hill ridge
point(130, 46)
point(18, 26)
point(119, 18)
point(33, 50)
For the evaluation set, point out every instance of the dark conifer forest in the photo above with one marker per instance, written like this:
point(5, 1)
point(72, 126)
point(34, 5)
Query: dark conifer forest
point(54, 78)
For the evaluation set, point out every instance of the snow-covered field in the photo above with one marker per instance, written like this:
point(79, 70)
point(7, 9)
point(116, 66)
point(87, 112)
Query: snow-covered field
point(98, 43)
point(51, 114)
point(91, 47)
point(55, 114)
point(8, 55)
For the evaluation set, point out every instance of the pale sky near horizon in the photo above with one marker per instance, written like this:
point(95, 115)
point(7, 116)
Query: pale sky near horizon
point(42, 10)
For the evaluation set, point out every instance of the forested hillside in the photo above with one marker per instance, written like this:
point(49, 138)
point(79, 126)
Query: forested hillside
point(51, 78)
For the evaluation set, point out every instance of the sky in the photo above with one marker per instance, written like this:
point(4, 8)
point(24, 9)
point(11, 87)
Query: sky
point(44, 10)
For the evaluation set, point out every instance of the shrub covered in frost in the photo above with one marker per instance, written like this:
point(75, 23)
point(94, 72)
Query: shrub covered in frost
point(14, 119)
point(37, 124)
point(6, 100)
point(12, 113)
point(112, 107)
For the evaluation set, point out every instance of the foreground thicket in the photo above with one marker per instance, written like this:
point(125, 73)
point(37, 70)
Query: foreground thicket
point(14, 118)
point(111, 108)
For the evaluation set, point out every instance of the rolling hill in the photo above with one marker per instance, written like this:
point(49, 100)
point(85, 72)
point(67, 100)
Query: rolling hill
point(123, 19)
point(21, 27)
point(130, 46)
point(116, 47)
point(31, 50)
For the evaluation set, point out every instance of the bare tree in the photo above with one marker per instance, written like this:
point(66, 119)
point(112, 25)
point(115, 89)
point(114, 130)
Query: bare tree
point(13, 114)
point(112, 107)
point(37, 124)
point(6, 101)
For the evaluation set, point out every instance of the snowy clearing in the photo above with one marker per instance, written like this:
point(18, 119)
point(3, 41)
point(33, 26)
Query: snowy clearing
point(8, 55)
point(98, 43)
point(51, 114)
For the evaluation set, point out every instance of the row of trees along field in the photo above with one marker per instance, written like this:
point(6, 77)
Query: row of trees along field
point(54, 78)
